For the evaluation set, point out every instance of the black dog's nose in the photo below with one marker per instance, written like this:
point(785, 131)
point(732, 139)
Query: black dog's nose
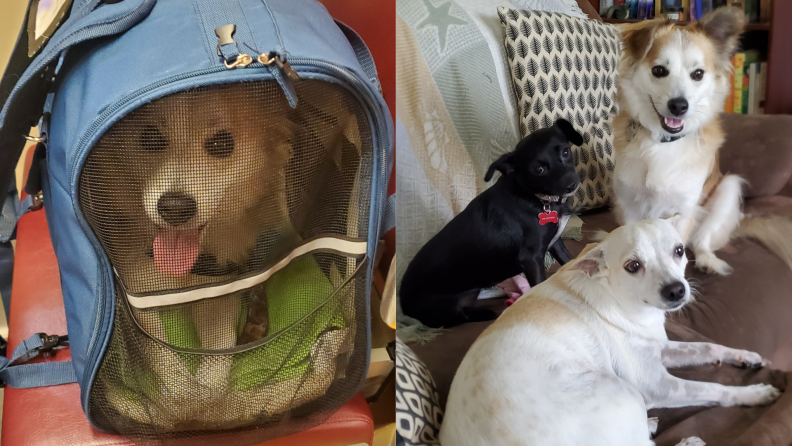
point(176, 208)
point(673, 292)
point(678, 106)
point(571, 188)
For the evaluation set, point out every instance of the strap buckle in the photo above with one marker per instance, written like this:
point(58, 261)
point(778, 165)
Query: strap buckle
point(49, 342)
point(52, 341)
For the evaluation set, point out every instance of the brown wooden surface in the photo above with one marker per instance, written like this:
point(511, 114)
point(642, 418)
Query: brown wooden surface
point(778, 99)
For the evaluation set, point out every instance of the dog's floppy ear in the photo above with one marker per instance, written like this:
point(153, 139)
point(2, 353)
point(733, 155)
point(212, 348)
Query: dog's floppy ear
point(504, 165)
point(638, 38)
point(676, 221)
point(723, 26)
point(591, 262)
point(569, 131)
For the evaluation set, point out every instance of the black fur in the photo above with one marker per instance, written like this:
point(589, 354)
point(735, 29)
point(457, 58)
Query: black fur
point(497, 236)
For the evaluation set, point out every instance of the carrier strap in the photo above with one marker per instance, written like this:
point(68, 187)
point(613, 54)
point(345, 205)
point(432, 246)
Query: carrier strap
point(15, 373)
point(366, 61)
point(362, 52)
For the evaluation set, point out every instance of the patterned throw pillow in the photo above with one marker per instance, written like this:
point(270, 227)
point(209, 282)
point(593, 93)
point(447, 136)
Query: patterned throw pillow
point(418, 413)
point(565, 67)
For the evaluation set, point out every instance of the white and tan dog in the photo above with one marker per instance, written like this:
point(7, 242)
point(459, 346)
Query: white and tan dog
point(581, 357)
point(672, 85)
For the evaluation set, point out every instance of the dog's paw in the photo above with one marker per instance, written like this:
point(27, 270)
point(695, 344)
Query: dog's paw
point(755, 395)
point(652, 422)
point(692, 441)
point(745, 360)
point(710, 264)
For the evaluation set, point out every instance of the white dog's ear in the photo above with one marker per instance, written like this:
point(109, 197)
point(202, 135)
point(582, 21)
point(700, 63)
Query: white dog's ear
point(676, 221)
point(591, 262)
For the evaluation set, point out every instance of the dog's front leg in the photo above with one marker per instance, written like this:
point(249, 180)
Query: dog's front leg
point(681, 354)
point(559, 252)
point(533, 266)
point(669, 391)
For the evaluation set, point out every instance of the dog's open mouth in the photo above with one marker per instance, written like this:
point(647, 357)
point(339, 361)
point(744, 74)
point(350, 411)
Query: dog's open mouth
point(670, 125)
point(176, 250)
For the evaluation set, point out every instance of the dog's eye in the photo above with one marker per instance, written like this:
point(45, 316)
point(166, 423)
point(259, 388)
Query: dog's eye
point(697, 75)
point(539, 170)
point(220, 145)
point(679, 251)
point(659, 71)
point(153, 140)
point(632, 266)
point(565, 154)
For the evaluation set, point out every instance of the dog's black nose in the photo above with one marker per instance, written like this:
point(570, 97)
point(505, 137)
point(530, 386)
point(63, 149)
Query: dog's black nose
point(571, 188)
point(678, 106)
point(673, 292)
point(176, 208)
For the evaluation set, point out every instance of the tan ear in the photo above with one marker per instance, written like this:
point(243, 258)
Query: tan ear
point(591, 262)
point(676, 220)
point(638, 38)
point(723, 26)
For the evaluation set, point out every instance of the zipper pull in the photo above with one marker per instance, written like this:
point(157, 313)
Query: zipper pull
point(286, 67)
point(278, 68)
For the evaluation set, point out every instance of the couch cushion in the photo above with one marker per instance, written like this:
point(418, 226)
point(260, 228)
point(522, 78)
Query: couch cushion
point(758, 148)
point(565, 67)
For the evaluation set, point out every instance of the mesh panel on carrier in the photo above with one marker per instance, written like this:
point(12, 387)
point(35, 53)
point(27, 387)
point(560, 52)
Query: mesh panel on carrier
point(237, 230)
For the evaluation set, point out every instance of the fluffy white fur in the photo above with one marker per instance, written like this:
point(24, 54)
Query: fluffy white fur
point(580, 359)
point(655, 179)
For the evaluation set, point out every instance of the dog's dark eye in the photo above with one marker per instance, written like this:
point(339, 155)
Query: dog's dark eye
point(632, 266)
point(679, 251)
point(659, 71)
point(697, 75)
point(153, 140)
point(539, 170)
point(220, 145)
point(565, 154)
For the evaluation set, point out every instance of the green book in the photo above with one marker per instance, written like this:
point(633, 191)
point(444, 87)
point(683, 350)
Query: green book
point(741, 63)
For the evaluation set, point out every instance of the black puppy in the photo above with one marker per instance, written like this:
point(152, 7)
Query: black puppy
point(503, 232)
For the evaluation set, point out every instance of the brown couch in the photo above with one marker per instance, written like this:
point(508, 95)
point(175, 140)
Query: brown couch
point(749, 309)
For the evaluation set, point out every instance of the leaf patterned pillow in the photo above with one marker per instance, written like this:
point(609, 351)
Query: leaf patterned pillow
point(565, 67)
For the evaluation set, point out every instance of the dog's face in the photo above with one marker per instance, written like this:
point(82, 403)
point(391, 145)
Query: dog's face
point(643, 264)
point(199, 173)
point(542, 162)
point(674, 80)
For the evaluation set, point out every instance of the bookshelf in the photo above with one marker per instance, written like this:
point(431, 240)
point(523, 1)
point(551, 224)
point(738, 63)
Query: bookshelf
point(748, 27)
point(772, 40)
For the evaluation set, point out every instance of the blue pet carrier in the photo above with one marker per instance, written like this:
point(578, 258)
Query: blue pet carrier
point(214, 175)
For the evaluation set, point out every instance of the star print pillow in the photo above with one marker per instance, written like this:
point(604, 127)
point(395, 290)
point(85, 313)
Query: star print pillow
point(565, 67)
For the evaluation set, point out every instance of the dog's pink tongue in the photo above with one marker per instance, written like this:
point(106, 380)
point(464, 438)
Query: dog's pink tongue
point(176, 251)
point(673, 122)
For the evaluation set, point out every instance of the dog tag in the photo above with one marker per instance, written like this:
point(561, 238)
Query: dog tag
point(548, 217)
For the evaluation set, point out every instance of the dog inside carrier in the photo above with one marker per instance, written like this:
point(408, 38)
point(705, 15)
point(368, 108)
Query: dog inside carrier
point(236, 227)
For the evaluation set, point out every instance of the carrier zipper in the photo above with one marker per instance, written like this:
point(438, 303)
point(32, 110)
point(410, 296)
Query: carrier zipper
point(325, 68)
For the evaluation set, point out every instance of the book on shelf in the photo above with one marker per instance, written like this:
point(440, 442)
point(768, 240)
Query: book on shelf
point(757, 76)
point(741, 62)
point(728, 107)
point(764, 11)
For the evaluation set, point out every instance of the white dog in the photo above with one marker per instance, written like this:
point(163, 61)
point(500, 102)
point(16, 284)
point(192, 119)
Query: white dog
point(580, 359)
point(672, 85)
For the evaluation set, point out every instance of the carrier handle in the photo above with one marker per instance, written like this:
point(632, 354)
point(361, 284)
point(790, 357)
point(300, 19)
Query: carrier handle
point(366, 61)
point(364, 57)
point(15, 373)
